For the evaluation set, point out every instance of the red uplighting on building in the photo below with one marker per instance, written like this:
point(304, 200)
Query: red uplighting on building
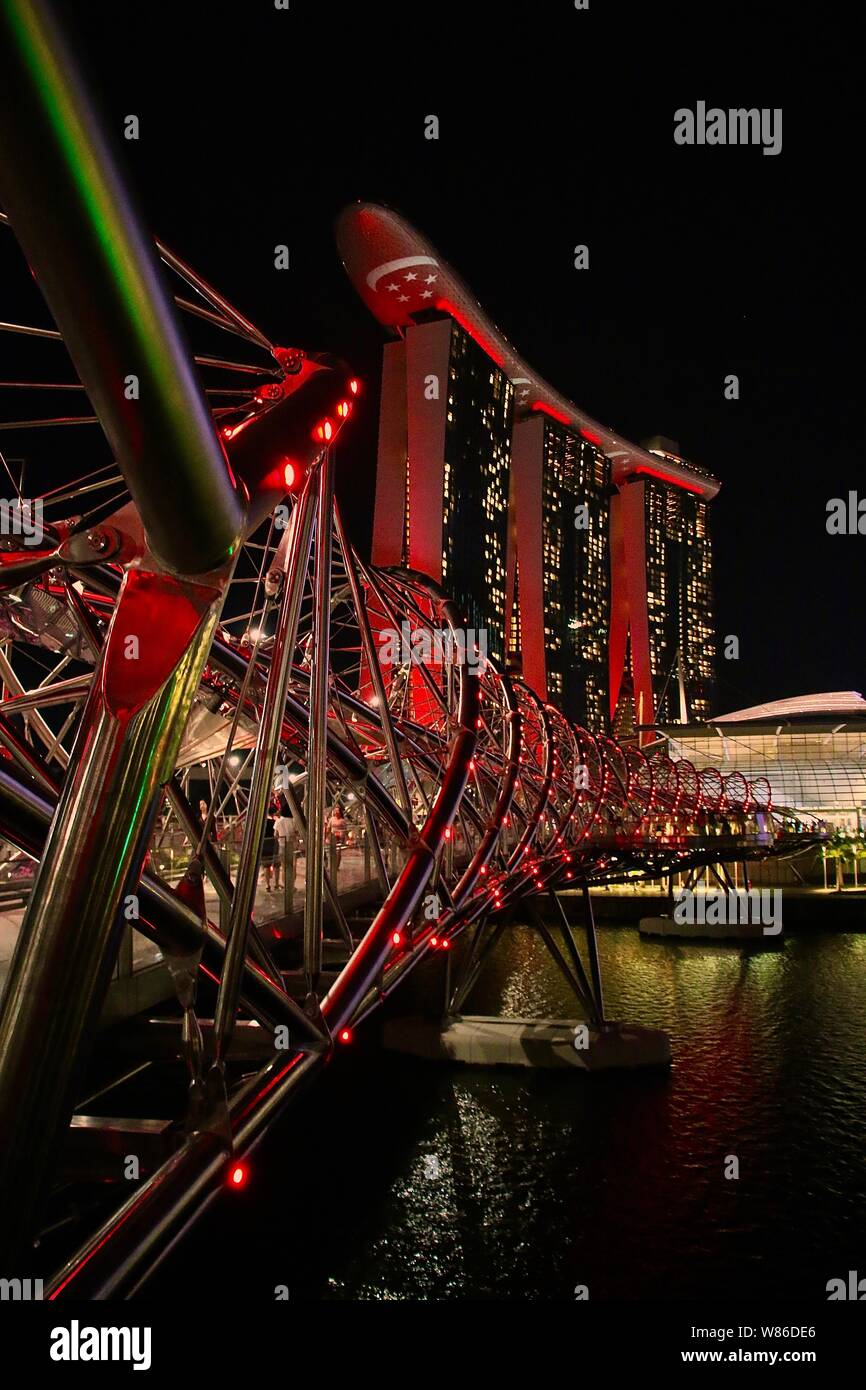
point(484, 342)
point(646, 472)
point(410, 505)
point(542, 408)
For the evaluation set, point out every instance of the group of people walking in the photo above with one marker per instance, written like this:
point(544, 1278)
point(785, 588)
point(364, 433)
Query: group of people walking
point(282, 843)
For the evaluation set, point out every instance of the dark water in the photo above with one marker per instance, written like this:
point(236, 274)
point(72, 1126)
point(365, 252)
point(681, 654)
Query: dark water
point(397, 1179)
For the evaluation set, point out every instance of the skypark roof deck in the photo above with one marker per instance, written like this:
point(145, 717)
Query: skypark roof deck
point(402, 278)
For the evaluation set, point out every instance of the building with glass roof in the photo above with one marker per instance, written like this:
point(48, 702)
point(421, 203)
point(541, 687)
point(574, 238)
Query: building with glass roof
point(811, 749)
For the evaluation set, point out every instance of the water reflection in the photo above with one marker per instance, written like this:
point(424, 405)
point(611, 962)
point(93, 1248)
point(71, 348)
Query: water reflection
point(396, 1179)
point(547, 1181)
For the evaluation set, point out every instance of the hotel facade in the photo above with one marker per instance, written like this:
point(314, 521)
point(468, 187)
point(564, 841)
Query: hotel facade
point(586, 558)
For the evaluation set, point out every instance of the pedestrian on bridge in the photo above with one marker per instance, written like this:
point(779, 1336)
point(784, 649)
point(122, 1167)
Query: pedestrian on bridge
point(286, 835)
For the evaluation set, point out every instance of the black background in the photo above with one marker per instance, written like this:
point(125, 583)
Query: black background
point(556, 128)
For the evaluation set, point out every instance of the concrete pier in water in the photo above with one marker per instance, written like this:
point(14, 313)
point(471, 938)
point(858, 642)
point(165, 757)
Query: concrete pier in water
point(529, 1042)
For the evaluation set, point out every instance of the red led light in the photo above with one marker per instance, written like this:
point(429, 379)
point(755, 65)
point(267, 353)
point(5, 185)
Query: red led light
point(447, 832)
point(323, 431)
point(238, 1176)
point(289, 474)
point(343, 409)
point(543, 408)
point(345, 1035)
point(230, 431)
point(354, 386)
point(445, 944)
point(434, 942)
point(469, 324)
point(397, 939)
point(667, 478)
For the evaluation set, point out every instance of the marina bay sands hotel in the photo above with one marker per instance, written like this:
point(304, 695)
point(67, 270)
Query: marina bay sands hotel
point(586, 558)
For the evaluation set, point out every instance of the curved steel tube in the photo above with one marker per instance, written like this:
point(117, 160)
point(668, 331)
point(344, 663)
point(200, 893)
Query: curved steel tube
point(99, 273)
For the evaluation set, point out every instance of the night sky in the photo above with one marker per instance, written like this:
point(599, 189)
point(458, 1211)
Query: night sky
point(556, 128)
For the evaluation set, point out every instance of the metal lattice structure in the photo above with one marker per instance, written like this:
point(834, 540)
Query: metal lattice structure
point(193, 612)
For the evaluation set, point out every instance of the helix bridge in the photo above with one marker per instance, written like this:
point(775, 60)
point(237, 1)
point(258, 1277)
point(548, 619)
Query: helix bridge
point(191, 613)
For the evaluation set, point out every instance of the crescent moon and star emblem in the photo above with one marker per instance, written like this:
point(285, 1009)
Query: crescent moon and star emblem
point(405, 278)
